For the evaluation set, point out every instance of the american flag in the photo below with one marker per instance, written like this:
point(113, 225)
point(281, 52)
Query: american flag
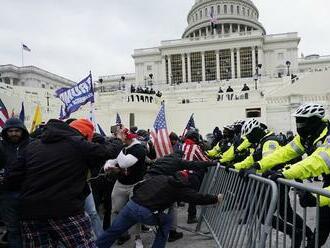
point(26, 48)
point(192, 152)
point(160, 135)
point(118, 120)
point(190, 125)
point(3, 115)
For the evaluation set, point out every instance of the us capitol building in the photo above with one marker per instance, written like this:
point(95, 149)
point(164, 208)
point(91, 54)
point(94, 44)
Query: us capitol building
point(231, 50)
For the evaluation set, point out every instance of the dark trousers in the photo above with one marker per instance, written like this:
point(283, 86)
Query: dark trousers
point(289, 218)
point(195, 183)
point(132, 214)
point(10, 213)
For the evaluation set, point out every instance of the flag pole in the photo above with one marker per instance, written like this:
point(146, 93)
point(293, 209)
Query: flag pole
point(22, 54)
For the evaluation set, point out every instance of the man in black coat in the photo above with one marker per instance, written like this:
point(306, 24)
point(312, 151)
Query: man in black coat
point(151, 198)
point(15, 138)
point(51, 175)
point(169, 165)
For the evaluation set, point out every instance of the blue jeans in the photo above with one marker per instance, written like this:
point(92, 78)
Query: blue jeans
point(10, 214)
point(93, 215)
point(132, 214)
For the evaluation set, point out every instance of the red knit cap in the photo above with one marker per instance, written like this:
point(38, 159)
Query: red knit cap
point(85, 127)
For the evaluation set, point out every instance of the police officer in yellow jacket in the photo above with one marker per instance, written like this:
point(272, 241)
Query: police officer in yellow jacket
point(239, 150)
point(267, 143)
point(313, 139)
point(224, 144)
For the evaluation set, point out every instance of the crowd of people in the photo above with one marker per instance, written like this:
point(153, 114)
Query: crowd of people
point(143, 94)
point(230, 93)
point(66, 186)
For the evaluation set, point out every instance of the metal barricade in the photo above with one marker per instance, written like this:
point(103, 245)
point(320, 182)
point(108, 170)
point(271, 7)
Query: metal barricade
point(244, 219)
point(297, 226)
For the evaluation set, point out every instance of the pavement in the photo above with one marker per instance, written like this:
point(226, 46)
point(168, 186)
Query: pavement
point(189, 240)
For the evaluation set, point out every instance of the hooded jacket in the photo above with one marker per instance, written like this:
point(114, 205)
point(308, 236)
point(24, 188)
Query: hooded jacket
point(51, 172)
point(9, 151)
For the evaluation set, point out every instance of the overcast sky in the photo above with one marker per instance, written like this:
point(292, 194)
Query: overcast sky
point(71, 37)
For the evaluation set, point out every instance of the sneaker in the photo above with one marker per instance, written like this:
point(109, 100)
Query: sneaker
point(192, 220)
point(123, 239)
point(174, 235)
point(138, 243)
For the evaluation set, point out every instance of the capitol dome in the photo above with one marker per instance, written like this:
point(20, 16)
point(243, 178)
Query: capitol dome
point(230, 16)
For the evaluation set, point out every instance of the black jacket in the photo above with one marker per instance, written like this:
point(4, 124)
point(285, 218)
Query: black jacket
point(170, 164)
point(160, 192)
point(51, 172)
point(8, 150)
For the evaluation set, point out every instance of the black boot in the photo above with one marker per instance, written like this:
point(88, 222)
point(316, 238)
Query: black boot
point(192, 220)
point(174, 235)
point(123, 239)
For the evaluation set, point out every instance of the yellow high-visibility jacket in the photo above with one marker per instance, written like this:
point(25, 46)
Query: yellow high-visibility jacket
point(215, 152)
point(325, 201)
point(229, 155)
point(268, 145)
point(317, 163)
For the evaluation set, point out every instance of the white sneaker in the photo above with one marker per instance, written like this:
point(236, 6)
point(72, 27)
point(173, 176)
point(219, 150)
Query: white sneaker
point(138, 243)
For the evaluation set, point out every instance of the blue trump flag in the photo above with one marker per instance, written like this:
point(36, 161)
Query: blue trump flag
point(76, 96)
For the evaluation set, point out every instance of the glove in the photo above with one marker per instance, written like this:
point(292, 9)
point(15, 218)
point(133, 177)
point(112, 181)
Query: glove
point(228, 167)
point(244, 173)
point(274, 175)
point(306, 199)
point(268, 173)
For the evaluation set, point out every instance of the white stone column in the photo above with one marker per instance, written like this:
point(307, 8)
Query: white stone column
point(189, 67)
point(253, 60)
point(238, 54)
point(232, 63)
point(163, 77)
point(231, 28)
point(170, 76)
point(222, 29)
point(217, 58)
point(183, 68)
point(200, 32)
point(203, 67)
point(11, 81)
point(245, 29)
point(207, 31)
point(261, 60)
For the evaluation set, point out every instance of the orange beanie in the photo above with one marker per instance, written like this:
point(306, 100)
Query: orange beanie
point(85, 127)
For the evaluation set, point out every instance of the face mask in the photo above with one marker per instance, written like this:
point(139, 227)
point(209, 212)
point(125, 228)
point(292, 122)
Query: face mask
point(255, 136)
point(307, 126)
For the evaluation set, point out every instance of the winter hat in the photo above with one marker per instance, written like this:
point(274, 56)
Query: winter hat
point(85, 127)
point(129, 135)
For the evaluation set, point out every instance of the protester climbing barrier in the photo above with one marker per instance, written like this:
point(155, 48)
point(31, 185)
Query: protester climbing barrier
point(257, 212)
point(244, 219)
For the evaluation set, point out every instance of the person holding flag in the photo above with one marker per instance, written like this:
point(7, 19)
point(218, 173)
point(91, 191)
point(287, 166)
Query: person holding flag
point(4, 116)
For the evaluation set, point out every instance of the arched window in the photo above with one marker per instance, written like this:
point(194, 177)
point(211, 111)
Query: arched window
point(232, 9)
point(248, 12)
point(237, 9)
point(243, 11)
point(219, 10)
point(205, 14)
point(196, 17)
point(225, 9)
point(200, 14)
point(212, 10)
